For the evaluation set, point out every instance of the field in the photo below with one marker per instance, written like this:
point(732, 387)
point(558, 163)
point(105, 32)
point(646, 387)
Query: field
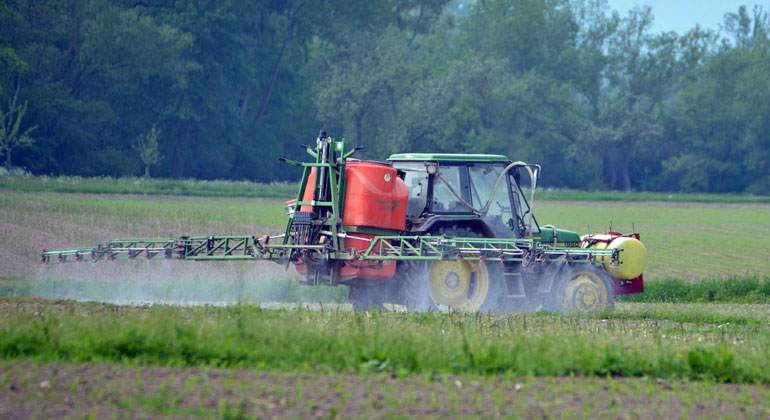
point(61, 358)
point(245, 362)
point(689, 241)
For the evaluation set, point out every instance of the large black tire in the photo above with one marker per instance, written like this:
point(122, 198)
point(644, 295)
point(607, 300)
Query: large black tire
point(412, 277)
point(584, 288)
point(365, 296)
point(484, 289)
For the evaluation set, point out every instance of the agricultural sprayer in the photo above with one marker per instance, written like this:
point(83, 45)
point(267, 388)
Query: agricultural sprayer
point(430, 231)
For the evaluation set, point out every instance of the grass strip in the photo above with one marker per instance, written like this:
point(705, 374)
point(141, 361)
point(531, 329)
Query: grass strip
point(335, 341)
point(247, 189)
point(560, 194)
point(729, 290)
point(141, 186)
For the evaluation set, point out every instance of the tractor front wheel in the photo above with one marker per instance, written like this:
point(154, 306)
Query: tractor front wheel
point(461, 285)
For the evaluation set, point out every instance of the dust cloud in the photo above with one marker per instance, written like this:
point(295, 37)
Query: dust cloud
point(187, 283)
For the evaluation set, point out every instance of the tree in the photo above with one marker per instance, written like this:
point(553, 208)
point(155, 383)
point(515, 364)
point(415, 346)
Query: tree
point(10, 63)
point(147, 146)
point(640, 73)
point(10, 125)
point(723, 115)
point(356, 81)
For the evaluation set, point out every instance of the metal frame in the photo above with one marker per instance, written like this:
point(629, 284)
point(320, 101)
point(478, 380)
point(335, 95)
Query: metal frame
point(381, 248)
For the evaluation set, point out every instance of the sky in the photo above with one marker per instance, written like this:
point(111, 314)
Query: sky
point(682, 15)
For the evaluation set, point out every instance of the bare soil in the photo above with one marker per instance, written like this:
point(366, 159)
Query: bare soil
point(57, 390)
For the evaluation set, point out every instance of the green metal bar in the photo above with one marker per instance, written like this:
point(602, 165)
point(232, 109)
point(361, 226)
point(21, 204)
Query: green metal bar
point(315, 203)
point(381, 248)
point(144, 240)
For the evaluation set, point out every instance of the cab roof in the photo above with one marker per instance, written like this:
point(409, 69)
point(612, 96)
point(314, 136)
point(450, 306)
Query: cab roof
point(447, 157)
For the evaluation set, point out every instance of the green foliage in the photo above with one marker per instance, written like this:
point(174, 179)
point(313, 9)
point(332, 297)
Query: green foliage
point(10, 124)
point(147, 146)
point(722, 118)
point(427, 343)
point(597, 98)
point(19, 180)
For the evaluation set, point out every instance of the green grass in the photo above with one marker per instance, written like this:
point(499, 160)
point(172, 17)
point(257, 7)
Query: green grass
point(730, 290)
point(686, 241)
point(334, 341)
point(141, 186)
point(559, 194)
point(247, 189)
point(36, 221)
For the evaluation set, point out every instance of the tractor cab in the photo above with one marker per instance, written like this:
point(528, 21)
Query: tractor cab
point(468, 189)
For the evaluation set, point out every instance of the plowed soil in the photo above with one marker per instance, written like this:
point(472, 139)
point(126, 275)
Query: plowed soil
point(54, 390)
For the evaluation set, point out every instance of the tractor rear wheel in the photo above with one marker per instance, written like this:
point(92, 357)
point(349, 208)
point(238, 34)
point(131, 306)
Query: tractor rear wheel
point(585, 288)
point(461, 285)
point(365, 296)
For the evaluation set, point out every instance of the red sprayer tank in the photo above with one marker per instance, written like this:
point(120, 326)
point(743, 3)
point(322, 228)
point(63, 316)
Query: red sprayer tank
point(376, 196)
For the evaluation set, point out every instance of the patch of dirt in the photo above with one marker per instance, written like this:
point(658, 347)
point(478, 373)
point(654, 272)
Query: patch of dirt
point(57, 390)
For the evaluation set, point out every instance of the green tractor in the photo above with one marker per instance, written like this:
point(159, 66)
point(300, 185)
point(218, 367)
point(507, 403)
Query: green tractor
point(427, 231)
point(484, 196)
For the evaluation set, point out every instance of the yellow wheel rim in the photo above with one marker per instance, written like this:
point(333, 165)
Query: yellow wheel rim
point(585, 292)
point(458, 285)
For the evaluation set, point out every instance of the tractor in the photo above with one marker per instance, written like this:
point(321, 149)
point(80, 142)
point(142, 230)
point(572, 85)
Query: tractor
point(429, 231)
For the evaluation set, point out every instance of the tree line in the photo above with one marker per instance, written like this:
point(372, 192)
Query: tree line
point(217, 89)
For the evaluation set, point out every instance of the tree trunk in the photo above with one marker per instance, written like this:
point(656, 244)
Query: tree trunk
point(359, 140)
point(289, 35)
point(182, 150)
point(626, 177)
point(8, 160)
point(146, 171)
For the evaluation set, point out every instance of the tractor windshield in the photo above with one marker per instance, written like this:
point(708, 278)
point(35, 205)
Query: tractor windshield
point(498, 216)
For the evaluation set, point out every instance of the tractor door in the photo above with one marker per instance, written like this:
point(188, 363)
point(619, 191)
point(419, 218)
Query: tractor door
point(499, 214)
point(416, 179)
point(446, 200)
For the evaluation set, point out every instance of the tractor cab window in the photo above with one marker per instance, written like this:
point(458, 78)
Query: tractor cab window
point(416, 179)
point(444, 200)
point(524, 215)
point(498, 215)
